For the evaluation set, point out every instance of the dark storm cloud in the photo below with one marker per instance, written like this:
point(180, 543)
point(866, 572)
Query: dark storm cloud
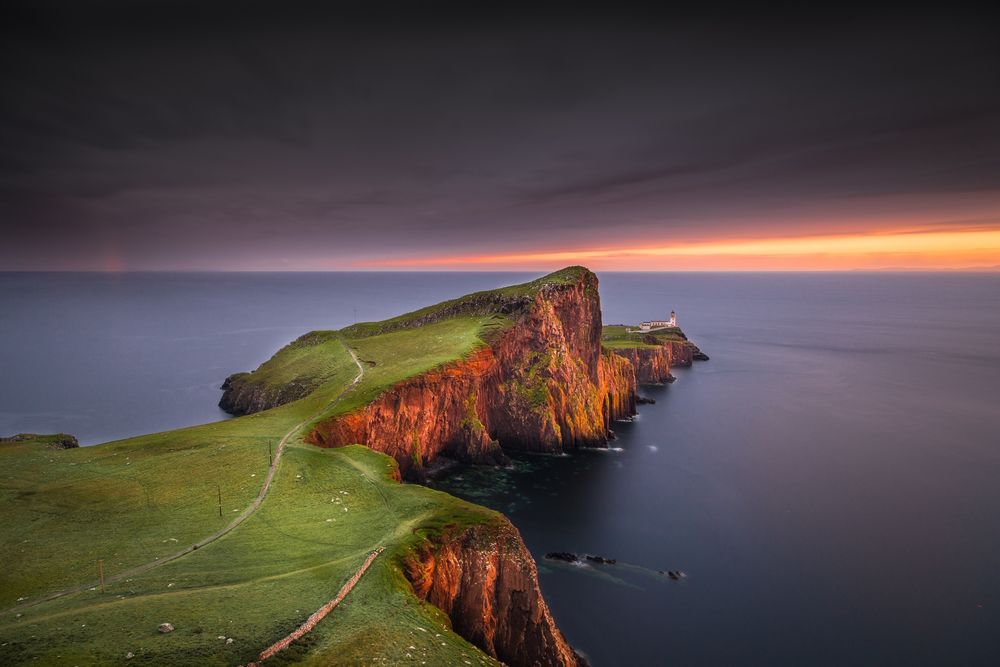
point(263, 136)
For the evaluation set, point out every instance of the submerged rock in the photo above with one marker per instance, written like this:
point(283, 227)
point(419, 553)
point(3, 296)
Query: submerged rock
point(602, 560)
point(563, 556)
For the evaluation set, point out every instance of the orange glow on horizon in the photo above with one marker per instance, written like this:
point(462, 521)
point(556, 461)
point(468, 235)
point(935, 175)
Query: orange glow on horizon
point(976, 248)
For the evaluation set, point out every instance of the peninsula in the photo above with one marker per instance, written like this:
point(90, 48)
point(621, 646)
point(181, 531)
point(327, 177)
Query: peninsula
point(285, 534)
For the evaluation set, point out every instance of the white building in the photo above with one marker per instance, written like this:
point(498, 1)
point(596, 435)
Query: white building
point(659, 324)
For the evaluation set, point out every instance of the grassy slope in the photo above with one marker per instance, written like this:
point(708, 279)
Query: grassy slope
point(311, 359)
point(262, 580)
point(132, 501)
point(565, 276)
point(614, 336)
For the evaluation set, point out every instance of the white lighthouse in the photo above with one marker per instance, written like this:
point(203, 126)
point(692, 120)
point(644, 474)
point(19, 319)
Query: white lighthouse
point(652, 325)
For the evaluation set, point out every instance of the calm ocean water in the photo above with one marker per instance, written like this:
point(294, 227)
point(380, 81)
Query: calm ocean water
point(829, 481)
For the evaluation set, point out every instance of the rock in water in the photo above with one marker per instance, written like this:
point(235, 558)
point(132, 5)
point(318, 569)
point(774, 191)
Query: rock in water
point(165, 628)
point(602, 560)
point(563, 556)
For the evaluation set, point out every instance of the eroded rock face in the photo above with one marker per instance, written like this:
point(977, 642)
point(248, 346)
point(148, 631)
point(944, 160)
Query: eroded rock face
point(543, 385)
point(434, 413)
point(652, 364)
point(485, 580)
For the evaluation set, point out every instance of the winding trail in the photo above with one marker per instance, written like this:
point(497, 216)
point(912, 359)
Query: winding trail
point(243, 516)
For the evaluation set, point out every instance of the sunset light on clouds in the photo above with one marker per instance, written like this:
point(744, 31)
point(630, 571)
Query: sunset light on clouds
point(660, 145)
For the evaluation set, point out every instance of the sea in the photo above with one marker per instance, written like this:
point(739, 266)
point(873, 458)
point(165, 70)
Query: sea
point(828, 484)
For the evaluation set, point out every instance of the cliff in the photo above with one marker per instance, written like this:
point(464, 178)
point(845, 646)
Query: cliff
point(652, 364)
point(541, 384)
point(652, 354)
point(536, 372)
point(485, 580)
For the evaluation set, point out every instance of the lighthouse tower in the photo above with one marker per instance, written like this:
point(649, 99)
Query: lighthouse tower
point(673, 318)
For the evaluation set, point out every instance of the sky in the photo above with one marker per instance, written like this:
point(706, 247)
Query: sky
point(175, 135)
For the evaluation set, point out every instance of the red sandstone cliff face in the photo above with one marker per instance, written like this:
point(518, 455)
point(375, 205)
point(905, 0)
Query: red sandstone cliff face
point(543, 385)
point(652, 364)
point(433, 413)
point(681, 353)
point(485, 580)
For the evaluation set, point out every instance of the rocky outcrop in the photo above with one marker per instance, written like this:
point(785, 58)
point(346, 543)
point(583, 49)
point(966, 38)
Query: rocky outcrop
point(242, 396)
point(652, 364)
point(484, 579)
point(543, 385)
point(55, 440)
point(294, 372)
point(653, 361)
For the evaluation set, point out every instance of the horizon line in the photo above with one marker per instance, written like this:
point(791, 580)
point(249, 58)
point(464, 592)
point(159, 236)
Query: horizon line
point(986, 269)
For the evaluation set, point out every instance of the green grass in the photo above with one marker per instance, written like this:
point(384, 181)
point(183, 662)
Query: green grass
point(615, 337)
point(135, 500)
point(329, 509)
point(309, 360)
point(496, 303)
point(405, 353)
point(141, 499)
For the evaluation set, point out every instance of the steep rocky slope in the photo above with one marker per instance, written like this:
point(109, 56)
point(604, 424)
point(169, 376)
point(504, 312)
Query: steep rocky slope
point(484, 579)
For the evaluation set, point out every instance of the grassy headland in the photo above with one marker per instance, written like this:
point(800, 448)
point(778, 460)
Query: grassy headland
point(139, 500)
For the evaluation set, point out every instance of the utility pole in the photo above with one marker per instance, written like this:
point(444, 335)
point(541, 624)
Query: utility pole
point(270, 456)
point(219, 487)
point(100, 572)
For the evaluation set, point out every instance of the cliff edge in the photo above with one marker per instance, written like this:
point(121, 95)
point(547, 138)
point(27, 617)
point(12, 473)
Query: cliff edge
point(484, 579)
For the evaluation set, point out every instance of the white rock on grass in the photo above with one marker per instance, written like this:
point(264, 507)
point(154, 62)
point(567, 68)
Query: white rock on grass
point(165, 628)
